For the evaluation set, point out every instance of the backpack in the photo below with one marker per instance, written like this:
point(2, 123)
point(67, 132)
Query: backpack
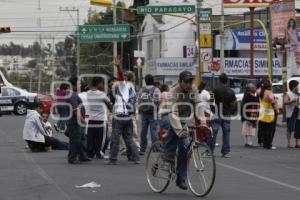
point(146, 101)
point(130, 104)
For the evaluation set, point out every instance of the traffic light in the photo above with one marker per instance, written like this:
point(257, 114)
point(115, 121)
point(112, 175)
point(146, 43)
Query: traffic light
point(5, 30)
point(101, 2)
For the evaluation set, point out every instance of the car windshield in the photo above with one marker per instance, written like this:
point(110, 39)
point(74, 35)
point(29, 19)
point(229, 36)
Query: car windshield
point(277, 89)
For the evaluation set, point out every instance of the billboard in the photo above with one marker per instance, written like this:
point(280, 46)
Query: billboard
point(282, 14)
point(239, 39)
point(246, 3)
point(284, 29)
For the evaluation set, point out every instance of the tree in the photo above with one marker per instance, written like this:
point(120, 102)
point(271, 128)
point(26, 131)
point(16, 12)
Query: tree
point(32, 64)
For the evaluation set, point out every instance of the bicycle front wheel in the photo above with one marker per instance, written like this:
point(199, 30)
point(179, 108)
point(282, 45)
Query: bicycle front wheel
point(158, 172)
point(201, 170)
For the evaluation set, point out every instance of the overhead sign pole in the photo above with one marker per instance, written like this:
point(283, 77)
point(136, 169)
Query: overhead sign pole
point(205, 40)
point(251, 4)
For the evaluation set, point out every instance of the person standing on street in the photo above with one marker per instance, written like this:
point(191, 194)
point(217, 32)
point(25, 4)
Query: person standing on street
point(122, 124)
point(226, 105)
point(61, 109)
point(249, 114)
point(98, 106)
point(290, 101)
point(267, 116)
point(149, 98)
point(163, 113)
point(74, 125)
point(297, 126)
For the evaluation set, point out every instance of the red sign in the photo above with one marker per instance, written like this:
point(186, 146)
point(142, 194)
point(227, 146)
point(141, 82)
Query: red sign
point(246, 3)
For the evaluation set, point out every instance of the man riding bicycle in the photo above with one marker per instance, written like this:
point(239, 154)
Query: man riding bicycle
point(181, 104)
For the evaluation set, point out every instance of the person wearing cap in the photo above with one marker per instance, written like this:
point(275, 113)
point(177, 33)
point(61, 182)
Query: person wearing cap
point(183, 93)
point(226, 106)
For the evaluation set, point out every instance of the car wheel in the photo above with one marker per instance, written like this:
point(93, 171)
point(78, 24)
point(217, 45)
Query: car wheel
point(21, 108)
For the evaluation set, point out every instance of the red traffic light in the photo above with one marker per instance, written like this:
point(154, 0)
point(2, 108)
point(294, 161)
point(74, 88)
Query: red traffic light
point(5, 30)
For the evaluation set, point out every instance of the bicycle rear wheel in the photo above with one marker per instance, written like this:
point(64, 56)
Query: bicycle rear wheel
point(201, 170)
point(158, 172)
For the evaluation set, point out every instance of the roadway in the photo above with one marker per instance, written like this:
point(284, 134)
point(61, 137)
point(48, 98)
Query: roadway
point(251, 174)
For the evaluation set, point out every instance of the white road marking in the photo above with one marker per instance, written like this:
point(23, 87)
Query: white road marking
point(259, 176)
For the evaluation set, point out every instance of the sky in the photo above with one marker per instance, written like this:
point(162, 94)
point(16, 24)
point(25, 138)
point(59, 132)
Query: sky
point(22, 15)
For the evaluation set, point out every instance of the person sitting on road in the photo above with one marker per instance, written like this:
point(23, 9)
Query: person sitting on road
point(35, 134)
point(57, 145)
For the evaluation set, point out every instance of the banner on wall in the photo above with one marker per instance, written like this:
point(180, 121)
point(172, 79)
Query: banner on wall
point(241, 67)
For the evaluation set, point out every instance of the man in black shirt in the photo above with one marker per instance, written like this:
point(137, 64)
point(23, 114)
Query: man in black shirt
point(226, 103)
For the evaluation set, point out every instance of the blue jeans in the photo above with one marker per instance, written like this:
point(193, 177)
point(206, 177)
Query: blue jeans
point(154, 127)
point(125, 128)
point(172, 142)
point(225, 124)
point(165, 122)
point(63, 113)
point(76, 143)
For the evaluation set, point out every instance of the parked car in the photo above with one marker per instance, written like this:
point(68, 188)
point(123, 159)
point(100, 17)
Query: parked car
point(17, 100)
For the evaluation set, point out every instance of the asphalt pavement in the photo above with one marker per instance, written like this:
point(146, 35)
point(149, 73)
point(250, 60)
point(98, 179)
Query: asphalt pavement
point(251, 174)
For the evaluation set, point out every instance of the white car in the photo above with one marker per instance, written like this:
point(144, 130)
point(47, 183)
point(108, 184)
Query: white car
point(17, 100)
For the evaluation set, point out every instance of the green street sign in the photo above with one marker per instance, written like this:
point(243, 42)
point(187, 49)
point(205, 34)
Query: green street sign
point(104, 33)
point(205, 15)
point(166, 9)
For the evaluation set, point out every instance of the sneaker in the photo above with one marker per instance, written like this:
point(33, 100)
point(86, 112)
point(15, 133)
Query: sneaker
point(274, 148)
point(56, 128)
point(85, 160)
point(74, 162)
point(226, 155)
point(112, 162)
point(106, 157)
point(217, 144)
point(181, 184)
point(137, 162)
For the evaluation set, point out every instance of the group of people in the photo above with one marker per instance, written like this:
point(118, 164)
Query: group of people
point(259, 110)
point(95, 119)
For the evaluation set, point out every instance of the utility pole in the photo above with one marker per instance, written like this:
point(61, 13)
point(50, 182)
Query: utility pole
point(40, 42)
point(53, 60)
point(115, 51)
point(199, 4)
point(67, 9)
point(222, 54)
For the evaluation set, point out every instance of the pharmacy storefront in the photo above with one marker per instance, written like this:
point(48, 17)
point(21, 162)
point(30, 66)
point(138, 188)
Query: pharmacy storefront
point(167, 70)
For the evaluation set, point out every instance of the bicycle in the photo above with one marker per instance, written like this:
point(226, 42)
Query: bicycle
point(160, 173)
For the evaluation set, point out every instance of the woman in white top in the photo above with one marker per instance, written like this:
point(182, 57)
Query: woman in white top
point(205, 97)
